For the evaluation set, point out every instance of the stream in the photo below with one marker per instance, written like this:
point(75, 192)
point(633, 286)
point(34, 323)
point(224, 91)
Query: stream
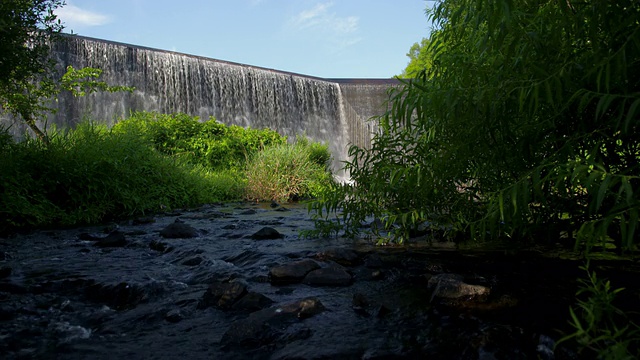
point(132, 290)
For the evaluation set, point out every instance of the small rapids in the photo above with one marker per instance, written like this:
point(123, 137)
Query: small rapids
point(63, 297)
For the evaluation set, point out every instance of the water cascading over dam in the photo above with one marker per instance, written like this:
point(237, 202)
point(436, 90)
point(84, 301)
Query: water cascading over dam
point(233, 93)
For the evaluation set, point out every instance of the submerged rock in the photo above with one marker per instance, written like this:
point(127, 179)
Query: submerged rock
point(341, 256)
point(330, 276)
point(222, 295)
point(114, 239)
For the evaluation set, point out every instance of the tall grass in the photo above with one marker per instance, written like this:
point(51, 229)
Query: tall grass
point(288, 171)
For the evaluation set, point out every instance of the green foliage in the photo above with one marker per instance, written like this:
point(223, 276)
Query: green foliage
point(209, 143)
point(523, 127)
point(600, 328)
point(91, 174)
point(288, 171)
point(81, 82)
point(26, 26)
point(419, 59)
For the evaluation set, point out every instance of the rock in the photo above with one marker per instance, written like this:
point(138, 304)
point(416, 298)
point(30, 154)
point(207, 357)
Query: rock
point(160, 246)
point(328, 277)
point(267, 233)
point(222, 295)
point(452, 286)
point(119, 296)
point(252, 301)
point(249, 212)
point(293, 272)
point(359, 304)
point(179, 230)
point(194, 261)
point(114, 239)
point(267, 325)
point(274, 204)
point(174, 316)
point(342, 256)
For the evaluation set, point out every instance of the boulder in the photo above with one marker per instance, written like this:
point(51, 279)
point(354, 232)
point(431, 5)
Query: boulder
point(293, 272)
point(252, 301)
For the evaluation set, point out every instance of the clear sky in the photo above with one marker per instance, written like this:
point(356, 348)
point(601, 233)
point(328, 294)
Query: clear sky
point(323, 38)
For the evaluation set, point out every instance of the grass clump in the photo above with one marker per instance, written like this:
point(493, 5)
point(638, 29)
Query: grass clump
point(93, 174)
point(289, 172)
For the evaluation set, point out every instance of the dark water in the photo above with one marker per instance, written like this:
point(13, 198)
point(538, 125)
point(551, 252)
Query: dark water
point(65, 298)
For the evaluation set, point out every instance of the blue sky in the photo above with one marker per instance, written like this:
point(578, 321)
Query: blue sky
point(324, 38)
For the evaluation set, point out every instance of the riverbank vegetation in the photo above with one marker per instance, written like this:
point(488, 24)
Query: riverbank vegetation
point(516, 122)
point(149, 163)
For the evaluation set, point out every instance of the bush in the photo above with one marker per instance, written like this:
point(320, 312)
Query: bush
point(288, 172)
point(91, 174)
point(209, 143)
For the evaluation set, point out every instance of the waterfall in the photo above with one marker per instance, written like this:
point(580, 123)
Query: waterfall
point(233, 93)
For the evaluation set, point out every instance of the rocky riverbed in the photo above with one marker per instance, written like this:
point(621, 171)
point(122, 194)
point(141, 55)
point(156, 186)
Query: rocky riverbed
point(236, 281)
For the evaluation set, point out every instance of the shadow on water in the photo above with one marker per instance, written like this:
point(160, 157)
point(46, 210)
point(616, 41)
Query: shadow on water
point(61, 296)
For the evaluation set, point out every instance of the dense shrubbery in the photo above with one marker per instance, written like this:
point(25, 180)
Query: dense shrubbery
point(147, 163)
point(522, 127)
point(208, 143)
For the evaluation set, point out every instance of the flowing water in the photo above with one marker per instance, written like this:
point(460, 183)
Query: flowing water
point(63, 297)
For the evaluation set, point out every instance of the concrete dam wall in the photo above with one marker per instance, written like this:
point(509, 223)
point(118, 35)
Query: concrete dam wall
point(333, 111)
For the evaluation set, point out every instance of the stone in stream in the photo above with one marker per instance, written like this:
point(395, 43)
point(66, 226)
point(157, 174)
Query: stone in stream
point(267, 233)
point(452, 286)
point(114, 239)
point(292, 272)
point(179, 230)
point(330, 276)
point(252, 301)
point(222, 295)
point(268, 325)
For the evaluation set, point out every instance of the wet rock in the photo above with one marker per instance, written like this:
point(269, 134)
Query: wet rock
point(248, 212)
point(359, 304)
point(293, 272)
point(252, 301)
point(5, 272)
point(267, 233)
point(452, 286)
point(267, 326)
point(194, 261)
point(341, 256)
point(179, 230)
point(222, 295)
point(114, 239)
point(328, 277)
point(160, 246)
point(174, 316)
point(119, 296)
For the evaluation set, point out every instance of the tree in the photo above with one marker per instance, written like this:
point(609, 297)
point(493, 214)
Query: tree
point(523, 128)
point(26, 28)
point(27, 74)
point(419, 59)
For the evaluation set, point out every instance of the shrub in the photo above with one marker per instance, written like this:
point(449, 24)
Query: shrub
point(288, 172)
point(209, 143)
